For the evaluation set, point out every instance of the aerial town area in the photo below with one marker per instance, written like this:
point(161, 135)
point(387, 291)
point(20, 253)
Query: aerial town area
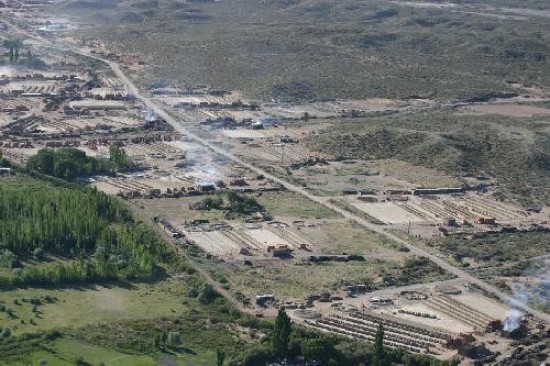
point(255, 198)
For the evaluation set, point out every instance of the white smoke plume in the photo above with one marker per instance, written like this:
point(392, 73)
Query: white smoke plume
point(513, 320)
point(533, 291)
point(151, 116)
point(202, 160)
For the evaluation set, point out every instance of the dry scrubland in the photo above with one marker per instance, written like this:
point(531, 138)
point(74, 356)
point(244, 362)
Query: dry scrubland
point(365, 49)
point(112, 294)
point(298, 281)
point(514, 150)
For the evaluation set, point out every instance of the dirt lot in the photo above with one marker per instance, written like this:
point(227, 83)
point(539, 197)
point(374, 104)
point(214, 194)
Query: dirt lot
point(387, 212)
point(512, 110)
point(451, 310)
point(466, 209)
point(377, 175)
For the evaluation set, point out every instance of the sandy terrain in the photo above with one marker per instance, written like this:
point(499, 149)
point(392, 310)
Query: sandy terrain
point(214, 242)
point(512, 110)
point(266, 237)
point(387, 212)
point(483, 304)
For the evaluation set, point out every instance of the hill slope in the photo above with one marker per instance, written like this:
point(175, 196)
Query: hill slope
point(515, 151)
point(275, 49)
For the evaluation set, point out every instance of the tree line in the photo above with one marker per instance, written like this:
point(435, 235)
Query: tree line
point(70, 163)
point(91, 235)
point(13, 45)
point(236, 203)
point(286, 342)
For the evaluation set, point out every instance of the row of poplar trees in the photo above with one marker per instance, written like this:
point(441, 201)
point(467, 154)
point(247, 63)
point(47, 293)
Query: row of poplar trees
point(93, 230)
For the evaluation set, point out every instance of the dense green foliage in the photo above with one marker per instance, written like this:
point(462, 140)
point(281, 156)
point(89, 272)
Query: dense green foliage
point(14, 46)
point(70, 163)
point(118, 158)
point(220, 357)
point(215, 203)
point(37, 219)
point(243, 204)
point(238, 204)
point(67, 163)
point(494, 248)
point(411, 270)
point(281, 334)
point(378, 358)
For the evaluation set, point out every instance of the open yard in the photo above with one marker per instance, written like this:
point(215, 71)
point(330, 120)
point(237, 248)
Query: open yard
point(298, 279)
point(76, 307)
point(293, 206)
point(376, 175)
point(343, 236)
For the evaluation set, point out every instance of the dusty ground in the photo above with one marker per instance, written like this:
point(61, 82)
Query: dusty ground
point(512, 110)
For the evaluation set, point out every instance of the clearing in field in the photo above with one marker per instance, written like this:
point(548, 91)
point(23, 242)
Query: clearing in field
point(511, 110)
point(78, 307)
point(388, 212)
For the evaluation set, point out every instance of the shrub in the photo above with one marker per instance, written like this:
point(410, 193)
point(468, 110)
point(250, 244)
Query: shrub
point(207, 294)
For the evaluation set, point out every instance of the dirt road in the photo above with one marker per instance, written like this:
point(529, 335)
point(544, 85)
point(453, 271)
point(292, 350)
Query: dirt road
point(149, 103)
point(321, 200)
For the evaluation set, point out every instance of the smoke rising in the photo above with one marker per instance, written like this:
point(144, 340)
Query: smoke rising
point(202, 160)
point(513, 320)
point(533, 290)
point(151, 116)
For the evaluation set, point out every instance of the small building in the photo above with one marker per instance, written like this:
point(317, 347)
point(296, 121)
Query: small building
point(206, 187)
point(17, 92)
point(5, 171)
point(355, 289)
point(349, 191)
point(280, 251)
point(244, 251)
point(153, 192)
point(398, 192)
point(431, 191)
point(97, 105)
point(239, 182)
point(450, 221)
point(486, 220)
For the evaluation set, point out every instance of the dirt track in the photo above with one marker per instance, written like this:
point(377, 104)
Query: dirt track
point(323, 201)
point(133, 89)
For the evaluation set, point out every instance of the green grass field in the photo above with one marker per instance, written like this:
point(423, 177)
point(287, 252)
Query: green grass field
point(65, 352)
point(292, 205)
point(76, 307)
